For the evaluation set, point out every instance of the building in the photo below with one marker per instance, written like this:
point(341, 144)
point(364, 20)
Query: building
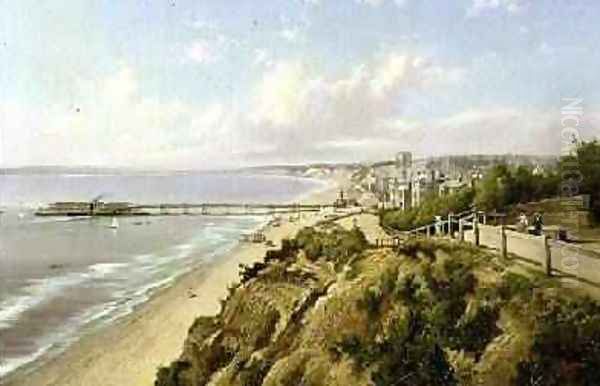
point(426, 183)
point(343, 202)
point(404, 165)
point(401, 194)
point(395, 188)
point(369, 182)
point(451, 186)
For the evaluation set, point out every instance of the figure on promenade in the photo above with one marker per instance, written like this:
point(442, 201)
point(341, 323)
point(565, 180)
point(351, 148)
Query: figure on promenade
point(523, 223)
point(438, 225)
point(538, 224)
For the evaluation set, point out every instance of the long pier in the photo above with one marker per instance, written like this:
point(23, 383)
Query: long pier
point(198, 209)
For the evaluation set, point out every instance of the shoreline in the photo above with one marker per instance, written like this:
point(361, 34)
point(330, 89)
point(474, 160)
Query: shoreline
point(130, 350)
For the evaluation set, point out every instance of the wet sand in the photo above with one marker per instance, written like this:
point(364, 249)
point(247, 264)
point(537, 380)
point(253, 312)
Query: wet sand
point(130, 351)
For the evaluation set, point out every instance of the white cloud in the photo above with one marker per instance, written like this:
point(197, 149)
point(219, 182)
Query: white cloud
point(494, 130)
point(202, 51)
point(112, 123)
point(377, 3)
point(297, 109)
point(204, 25)
point(262, 57)
point(373, 3)
point(210, 45)
point(292, 34)
point(479, 7)
point(546, 49)
point(294, 114)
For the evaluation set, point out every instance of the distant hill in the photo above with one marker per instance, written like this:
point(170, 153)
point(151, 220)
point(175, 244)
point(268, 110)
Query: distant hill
point(440, 162)
point(85, 170)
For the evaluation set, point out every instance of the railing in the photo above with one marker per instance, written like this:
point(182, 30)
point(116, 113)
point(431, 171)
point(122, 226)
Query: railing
point(554, 256)
point(443, 227)
point(389, 242)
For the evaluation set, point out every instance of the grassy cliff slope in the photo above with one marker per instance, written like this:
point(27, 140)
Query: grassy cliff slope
point(327, 309)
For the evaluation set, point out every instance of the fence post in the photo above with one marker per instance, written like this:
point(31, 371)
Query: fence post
point(476, 228)
point(461, 230)
point(503, 246)
point(450, 215)
point(427, 231)
point(548, 262)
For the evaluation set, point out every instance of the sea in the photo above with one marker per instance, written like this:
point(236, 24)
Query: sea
point(63, 277)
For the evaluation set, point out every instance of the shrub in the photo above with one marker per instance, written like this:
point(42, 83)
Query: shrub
point(371, 301)
point(566, 347)
point(288, 249)
point(412, 249)
point(169, 376)
point(337, 245)
point(254, 372)
point(475, 334)
point(410, 356)
point(362, 354)
point(514, 285)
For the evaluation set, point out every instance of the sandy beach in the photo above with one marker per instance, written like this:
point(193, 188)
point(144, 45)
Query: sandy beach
point(129, 351)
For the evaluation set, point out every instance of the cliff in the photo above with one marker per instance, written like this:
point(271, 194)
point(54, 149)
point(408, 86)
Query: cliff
point(327, 309)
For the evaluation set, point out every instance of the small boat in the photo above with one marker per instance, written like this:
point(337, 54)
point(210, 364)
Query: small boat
point(114, 224)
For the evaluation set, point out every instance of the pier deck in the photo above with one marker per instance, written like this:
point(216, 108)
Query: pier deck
point(206, 209)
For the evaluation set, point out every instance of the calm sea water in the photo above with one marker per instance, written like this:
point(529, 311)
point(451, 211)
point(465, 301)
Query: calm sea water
point(61, 277)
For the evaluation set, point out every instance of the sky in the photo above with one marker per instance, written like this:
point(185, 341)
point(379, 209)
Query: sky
point(211, 84)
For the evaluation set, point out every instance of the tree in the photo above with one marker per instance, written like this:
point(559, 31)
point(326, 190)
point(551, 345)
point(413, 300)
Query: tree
point(503, 186)
point(580, 173)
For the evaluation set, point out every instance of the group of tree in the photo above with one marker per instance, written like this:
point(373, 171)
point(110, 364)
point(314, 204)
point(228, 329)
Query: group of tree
point(424, 214)
point(503, 186)
point(577, 173)
point(580, 174)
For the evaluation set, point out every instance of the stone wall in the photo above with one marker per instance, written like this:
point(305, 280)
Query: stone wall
point(521, 244)
point(573, 260)
point(566, 259)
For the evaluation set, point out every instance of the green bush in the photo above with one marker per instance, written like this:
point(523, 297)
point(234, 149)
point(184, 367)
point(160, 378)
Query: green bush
point(288, 249)
point(411, 356)
point(566, 347)
point(169, 376)
point(360, 352)
point(414, 248)
point(337, 245)
point(475, 334)
point(254, 372)
point(514, 285)
point(371, 301)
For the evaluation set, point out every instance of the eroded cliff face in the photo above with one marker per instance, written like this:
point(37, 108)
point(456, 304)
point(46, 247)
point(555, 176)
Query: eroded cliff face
point(328, 310)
